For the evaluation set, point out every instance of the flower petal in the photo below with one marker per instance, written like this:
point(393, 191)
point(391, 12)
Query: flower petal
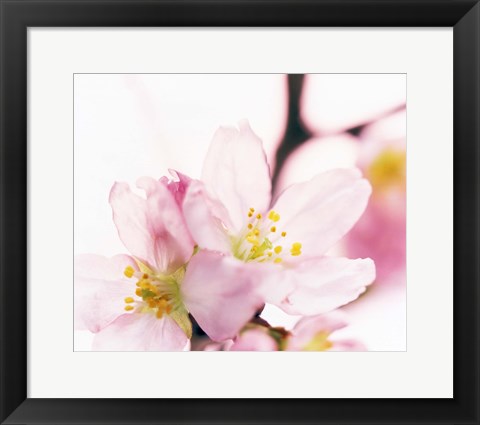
point(177, 187)
point(206, 219)
point(308, 327)
point(323, 284)
point(100, 288)
point(220, 293)
point(319, 212)
point(141, 332)
point(236, 172)
point(381, 234)
point(348, 345)
point(218, 346)
point(152, 229)
point(254, 340)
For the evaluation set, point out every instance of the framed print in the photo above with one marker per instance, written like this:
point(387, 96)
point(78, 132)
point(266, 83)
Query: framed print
point(239, 212)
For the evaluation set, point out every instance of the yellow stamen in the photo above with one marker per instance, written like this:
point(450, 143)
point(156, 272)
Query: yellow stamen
point(296, 249)
point(259, 232)
point(129, 307)
point(154, 289)
point(138, 292)
point(129, 300)
point(143, 284)
point(159, 314)
point(319, 342)
point(129, 271)
point(272, 215)
point(162, 303)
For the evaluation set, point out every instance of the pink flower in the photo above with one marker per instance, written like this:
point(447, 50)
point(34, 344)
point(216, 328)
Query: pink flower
point(142, 301)
point(313, 333)
point(381, 232)
point(230, 213)
point(256, 338)
point(317, 333)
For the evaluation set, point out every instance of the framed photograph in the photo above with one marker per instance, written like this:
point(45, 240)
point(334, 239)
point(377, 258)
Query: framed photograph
point(239, 212)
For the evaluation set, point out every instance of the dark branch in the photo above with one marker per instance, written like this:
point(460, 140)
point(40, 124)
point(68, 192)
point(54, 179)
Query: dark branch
point(296, 132)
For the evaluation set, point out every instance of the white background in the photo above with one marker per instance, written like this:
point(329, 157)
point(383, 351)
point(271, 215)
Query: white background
point(425, 370)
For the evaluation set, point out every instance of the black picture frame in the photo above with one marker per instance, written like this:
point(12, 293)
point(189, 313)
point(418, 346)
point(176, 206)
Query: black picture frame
point(18, 15)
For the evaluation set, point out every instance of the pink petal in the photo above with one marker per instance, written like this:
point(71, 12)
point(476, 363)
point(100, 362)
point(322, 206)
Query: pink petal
point(100, 288)
point(348, 345)
point(323, 284)
point(220, 293)
point(207, 219)
point(308, 327)
point(152, 229)
point(319, 212)
point(177, 187)
point(275, 283)
point(236, 172)
point(381, 235)
point(254, 340)
point(317, 155)
point(219, 346)
point(381, 232)
point(141, 332)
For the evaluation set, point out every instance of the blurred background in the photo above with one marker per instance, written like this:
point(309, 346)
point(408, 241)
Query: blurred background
point(130, 125)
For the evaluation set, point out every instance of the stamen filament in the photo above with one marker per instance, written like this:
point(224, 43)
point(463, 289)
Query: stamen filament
point(255, 243)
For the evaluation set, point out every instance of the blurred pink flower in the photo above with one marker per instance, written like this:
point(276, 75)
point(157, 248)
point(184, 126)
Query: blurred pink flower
point(381, 232)
point(153, 313)
point(313, 333)
point(256, 338)
point(228, 213)
point(317, 333)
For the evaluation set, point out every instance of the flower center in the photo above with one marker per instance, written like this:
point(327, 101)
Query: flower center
point(388, 169)
point(155, 293)
point(259, 241)
point(319, 342)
